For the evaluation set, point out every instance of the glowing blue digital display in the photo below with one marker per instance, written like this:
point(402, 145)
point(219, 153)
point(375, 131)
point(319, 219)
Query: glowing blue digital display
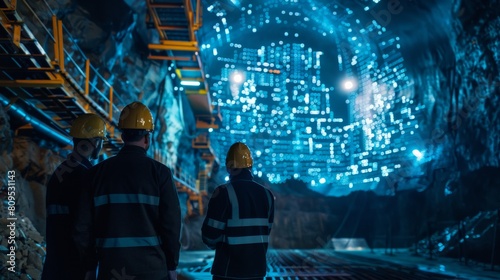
point(318, 91)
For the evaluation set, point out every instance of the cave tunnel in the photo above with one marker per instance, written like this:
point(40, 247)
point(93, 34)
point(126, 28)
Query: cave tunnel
point(372, 122)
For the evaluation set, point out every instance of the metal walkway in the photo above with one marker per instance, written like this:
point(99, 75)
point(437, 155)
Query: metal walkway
point(319, 265)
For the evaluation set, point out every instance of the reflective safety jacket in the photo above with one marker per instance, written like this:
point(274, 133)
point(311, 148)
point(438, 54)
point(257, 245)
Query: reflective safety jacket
point(135, 215)
point(63, 192)
point(238, 223)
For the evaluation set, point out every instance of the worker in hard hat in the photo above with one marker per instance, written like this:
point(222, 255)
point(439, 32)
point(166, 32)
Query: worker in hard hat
point(135, 219)
point(63, 190)
point(239, 219)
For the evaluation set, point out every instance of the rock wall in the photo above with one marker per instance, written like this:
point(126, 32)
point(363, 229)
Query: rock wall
point(456, 75)
point(31, 165)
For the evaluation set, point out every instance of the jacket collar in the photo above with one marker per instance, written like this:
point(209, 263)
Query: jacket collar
point(242, 174)
point(132, 149)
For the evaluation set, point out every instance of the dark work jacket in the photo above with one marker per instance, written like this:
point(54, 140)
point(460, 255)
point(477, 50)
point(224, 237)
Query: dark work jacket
point(135, 219)
point(63, 191)
point(238, 223)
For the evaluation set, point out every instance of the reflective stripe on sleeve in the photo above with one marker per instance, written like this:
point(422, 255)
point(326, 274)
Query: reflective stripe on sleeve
point(254, 239)
point(248, 222)
point(56, 209)
point(123, 242)
point(216, 224)
point(126, 198)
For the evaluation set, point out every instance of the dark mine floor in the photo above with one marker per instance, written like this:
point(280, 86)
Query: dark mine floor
point(330, 264)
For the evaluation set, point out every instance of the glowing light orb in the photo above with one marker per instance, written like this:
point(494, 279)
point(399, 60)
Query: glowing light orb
point(237, 78)
point(348, 84)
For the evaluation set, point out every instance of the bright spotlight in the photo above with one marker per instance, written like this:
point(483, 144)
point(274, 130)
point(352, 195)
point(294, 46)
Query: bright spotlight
point(227, 178)
point(348, 85)
point(418, 154)
point(237, 77)
point(322, 180)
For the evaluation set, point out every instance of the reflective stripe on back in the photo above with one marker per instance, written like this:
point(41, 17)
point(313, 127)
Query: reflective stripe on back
point(126, 198)
point(124, 242)
point(252, 222)
point(234, 202)
point(254, 239)
point(56, 209)
point(235, 221)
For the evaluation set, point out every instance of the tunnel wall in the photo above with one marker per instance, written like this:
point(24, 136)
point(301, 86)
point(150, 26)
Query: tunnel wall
point(455, 69)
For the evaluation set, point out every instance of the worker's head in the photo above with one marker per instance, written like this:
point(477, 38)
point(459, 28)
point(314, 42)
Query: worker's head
point(136, 124)
point(238, 157)
point(88, 132)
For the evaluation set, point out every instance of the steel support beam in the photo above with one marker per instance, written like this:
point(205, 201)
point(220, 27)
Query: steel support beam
point(165, 57)
point(171, 45)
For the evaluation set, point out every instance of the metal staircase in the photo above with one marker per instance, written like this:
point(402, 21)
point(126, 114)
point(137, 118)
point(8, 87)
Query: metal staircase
point(176, 22)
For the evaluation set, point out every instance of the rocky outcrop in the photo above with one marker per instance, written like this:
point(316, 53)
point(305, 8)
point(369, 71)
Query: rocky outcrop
point(19, 237)
point(28, 249)
point(455, 70)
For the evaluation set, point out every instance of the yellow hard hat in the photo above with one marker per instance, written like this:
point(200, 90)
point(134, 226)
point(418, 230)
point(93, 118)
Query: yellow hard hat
point(239, 156)
point(88, 126)
point(136, 116)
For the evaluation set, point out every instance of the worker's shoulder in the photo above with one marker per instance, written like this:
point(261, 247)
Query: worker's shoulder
point(160, 166)
point(69, 168)
point(219, 190)
point(101, 164)
point(264, 188)
point(105, 165)
point(222, 187)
